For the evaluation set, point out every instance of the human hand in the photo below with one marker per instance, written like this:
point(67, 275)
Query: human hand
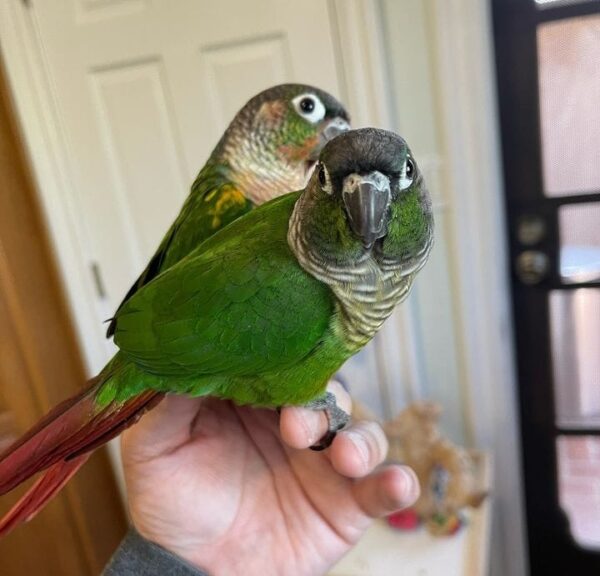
point(233, 491)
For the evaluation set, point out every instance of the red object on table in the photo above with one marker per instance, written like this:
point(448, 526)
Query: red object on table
point(404, 520)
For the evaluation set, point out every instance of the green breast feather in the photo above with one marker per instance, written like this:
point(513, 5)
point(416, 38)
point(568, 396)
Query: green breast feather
point(236, 316)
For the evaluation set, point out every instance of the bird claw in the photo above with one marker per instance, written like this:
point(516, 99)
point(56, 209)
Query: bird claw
point(336, 418)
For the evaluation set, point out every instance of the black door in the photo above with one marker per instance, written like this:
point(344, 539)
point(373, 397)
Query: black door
point(548, 73)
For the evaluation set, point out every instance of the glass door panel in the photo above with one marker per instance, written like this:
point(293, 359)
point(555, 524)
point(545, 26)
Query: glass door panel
point(579, 481)
point(579, 232)
point(569, 89)
point(575, 335)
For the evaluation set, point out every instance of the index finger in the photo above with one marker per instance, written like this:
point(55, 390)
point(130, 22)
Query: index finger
point(303, 427)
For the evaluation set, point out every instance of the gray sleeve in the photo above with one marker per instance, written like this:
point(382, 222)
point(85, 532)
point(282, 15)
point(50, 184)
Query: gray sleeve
point(137, 556)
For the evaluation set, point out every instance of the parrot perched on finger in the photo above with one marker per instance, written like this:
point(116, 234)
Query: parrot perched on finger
point(269, 149)
point(262, 313)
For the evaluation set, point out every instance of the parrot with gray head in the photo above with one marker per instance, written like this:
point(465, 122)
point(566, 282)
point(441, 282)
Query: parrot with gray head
point(263, 312)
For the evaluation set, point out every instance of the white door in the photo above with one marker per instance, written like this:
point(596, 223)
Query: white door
point(143, 91)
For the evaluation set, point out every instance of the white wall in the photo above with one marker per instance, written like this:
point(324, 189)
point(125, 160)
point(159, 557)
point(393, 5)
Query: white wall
point(441, 77)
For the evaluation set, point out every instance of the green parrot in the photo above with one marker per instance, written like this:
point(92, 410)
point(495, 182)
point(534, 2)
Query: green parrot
point(269, 149)
point(263, 312)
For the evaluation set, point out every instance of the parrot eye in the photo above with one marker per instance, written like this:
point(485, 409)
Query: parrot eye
point(324, 179)
point(406, 178)
point(309, 107)
point(322, 176)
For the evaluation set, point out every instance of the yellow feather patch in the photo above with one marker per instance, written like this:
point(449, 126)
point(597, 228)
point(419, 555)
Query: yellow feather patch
point(229, 196)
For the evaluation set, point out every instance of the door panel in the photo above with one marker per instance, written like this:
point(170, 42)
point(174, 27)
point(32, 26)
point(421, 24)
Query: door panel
point(579, 481)
point(548, 66)
point(569, 86)
point(575, 335)
point(134, 119)
point(261, 61)
point(144, 90)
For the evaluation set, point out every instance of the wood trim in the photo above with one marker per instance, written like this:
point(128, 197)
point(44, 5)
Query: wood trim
point(41, 363)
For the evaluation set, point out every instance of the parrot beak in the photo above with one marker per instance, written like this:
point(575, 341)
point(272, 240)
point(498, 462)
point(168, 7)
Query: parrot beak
point(330, 130)
point(334, 128)
point(367, 199)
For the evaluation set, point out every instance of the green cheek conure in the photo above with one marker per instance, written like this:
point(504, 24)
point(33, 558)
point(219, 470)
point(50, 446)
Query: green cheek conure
point(269, 149)
point(263, 312)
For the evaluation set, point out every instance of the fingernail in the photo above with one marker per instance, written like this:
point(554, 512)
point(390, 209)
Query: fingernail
point(361, 446)
point(310, 423)
point(411, 482)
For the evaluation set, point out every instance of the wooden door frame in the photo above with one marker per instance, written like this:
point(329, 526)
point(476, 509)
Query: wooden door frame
point(41, 363)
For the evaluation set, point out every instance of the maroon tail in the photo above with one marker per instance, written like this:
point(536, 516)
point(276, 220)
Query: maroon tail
point(61, 442)
point(41, 493)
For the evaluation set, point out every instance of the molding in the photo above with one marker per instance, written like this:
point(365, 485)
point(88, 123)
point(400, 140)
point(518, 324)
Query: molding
point(47, 149)
point(360, 54)
point(460, 33)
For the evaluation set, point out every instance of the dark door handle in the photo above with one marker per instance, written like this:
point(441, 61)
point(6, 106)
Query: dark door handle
point(532, 267)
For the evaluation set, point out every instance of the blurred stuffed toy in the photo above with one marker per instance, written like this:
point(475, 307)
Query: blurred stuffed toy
point(446, 471)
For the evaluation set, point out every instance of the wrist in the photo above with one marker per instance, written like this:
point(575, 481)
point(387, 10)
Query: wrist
point(140, 555)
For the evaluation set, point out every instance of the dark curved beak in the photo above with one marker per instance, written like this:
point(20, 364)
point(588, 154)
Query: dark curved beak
point(328, 131)
point(367, 198)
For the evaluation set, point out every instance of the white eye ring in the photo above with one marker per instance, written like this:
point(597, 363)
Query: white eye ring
point(309, 107)
point(408, 174)
point(324, 179)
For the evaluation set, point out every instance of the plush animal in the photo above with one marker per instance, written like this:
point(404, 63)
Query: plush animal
point(446, 471)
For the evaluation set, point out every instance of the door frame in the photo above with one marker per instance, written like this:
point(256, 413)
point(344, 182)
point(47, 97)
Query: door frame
point(460, 42)
point(517, 67)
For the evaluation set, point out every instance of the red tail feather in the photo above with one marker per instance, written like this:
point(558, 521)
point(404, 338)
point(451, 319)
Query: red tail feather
point(61, 441)
point(41, 493)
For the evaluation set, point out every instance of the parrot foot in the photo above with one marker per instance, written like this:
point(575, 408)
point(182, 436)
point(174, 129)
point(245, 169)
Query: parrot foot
point(336, 417)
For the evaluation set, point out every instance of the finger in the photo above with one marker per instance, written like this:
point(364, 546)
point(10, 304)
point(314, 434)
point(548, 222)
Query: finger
point(162, 429)
point(388, 490)
point(303, 427)
point(357, 451)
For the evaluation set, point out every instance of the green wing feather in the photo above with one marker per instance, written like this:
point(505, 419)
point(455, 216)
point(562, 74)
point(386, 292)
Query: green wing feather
point(239, 305)
point(213, 203)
